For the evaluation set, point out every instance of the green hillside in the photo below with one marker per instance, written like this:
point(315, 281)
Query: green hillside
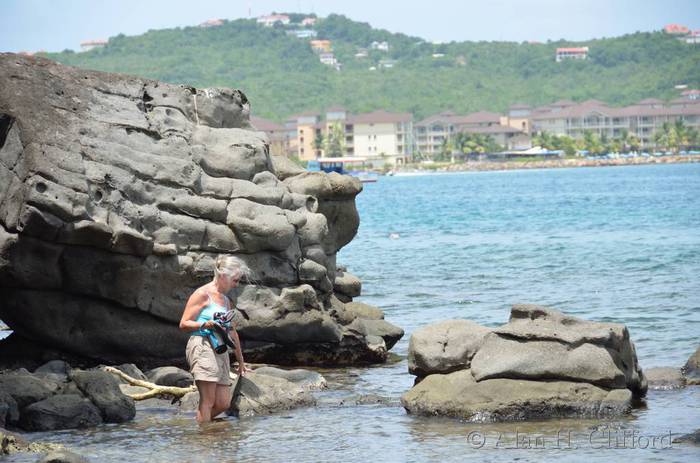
point(281, 75)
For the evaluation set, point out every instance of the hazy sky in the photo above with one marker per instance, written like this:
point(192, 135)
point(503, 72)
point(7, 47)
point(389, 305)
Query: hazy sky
point(54, 25)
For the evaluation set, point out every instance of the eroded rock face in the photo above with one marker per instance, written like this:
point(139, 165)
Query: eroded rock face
point(116, 195)
point(541, 364)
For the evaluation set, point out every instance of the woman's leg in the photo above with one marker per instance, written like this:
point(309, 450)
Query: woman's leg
point(222, 401)
point(207, 399)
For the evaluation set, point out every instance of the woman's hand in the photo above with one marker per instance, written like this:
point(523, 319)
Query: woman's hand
point(242, 370)
point(207, 325)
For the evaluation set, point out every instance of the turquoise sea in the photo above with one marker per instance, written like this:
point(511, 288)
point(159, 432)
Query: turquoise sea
point(619, 244)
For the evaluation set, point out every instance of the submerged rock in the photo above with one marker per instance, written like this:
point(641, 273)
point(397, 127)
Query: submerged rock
point(63, 456)
point(458, 394)
point(306, 379)
point(116, 195)
point(664, 378)
point(261, 394)
point(691, 369)
point(541, 364)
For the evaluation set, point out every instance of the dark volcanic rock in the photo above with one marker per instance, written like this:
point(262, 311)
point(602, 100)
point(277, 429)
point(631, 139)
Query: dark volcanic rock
point(116, 195)
point(103, 391)
point(26, 388)
point(9, 411)
point(60, 412)
point(170, 376)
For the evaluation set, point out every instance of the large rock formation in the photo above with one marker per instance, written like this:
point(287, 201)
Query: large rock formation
point(116, 195)
point(541, 364)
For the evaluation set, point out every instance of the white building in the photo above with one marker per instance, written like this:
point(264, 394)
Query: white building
point(270, 20)
point(92, 44)
point(382, 46)
point(571, 53)
point(380, 135)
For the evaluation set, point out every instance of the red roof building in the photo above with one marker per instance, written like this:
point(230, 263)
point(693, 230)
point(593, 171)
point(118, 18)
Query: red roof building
point(676, 29)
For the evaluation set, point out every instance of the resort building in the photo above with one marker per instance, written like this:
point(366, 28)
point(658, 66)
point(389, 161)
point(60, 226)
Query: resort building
point(676, 29)
point(381, 136)
point(302, 33)
point(277, 134)
point(571, 53)
point(308, 22)
point(308, 133)
point(382, 46)
point(323, 46)
point(92, 44)
point(435, 131)
point(212, 23)
point(642, 119)
point(271, 20)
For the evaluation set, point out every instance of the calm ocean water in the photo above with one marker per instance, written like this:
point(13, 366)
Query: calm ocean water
point(618, 244)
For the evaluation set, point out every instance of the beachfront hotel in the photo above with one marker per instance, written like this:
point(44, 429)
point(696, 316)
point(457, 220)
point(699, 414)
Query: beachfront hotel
point(392, 138)
point(642, 119)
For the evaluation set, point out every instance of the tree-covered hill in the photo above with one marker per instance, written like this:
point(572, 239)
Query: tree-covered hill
point(281, 75)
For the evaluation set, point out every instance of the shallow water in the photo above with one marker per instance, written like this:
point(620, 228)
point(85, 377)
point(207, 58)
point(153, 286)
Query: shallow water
point(615, 244)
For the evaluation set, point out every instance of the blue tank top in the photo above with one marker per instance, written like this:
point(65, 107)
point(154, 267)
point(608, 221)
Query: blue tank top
point(207, 314)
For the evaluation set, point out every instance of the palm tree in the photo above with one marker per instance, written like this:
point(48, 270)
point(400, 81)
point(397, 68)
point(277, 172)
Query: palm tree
point(318, 143)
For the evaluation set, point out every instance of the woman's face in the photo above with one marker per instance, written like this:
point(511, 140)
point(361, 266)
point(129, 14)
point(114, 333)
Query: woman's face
point(230, 281)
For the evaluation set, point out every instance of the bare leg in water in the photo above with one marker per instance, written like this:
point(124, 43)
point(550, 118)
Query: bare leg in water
point(214, 399)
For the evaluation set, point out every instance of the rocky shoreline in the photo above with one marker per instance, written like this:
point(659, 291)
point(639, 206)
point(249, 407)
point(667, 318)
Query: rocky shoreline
point(479, 166)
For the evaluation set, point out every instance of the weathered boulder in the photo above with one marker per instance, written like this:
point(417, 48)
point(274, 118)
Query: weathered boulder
point(26, 388)
point(9, 411)
point(116, 195)
point(346, 285)
point(55, 370)
point(306, 379)
point(458, 394)
point(60, 412)
point(266, 390)
point(543, 344)
point(170, 376)
point(131, 370)
point(103, 391)
point(362, 310)
point(379, 328)
point(664, 378)
point(541, 364)
point(444, 347)
point(261, 394)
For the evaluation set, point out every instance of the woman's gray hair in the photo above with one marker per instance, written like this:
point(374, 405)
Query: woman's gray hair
point(230, 265)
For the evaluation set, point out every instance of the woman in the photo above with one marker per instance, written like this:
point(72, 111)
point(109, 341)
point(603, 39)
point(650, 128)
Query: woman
point(211, 370)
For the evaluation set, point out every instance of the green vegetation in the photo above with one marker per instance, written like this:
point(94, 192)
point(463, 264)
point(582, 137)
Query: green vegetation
point(281, 75)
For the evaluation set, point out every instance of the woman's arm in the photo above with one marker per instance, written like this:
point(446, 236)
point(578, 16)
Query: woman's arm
point(194, 306)
point(239, 353)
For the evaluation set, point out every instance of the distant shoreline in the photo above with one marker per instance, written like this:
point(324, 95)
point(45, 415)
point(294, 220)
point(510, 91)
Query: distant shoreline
point(478, 166)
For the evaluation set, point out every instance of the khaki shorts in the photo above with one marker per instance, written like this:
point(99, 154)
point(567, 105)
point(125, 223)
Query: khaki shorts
point(205, 364)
